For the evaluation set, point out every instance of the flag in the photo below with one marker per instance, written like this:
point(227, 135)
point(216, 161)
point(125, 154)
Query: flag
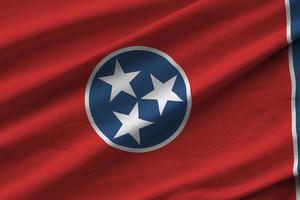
point(149, 99)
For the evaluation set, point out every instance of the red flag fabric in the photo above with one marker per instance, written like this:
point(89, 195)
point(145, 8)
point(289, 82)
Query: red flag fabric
point(237, 142)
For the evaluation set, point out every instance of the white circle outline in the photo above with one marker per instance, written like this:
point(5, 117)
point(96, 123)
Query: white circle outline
point(188, 96)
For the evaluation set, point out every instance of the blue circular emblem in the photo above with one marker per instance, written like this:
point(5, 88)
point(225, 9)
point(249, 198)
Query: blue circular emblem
point(138, 99)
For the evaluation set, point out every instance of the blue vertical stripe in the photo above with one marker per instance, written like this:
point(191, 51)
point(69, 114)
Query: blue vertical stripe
point(295, 21)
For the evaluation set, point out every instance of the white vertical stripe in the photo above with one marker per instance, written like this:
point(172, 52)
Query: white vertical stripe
point(288, 21)
point(294, 129)
point(293, 96)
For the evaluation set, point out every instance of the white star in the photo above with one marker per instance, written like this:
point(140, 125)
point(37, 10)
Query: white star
point(162, 92)
point(120, 81)
point(131, 124)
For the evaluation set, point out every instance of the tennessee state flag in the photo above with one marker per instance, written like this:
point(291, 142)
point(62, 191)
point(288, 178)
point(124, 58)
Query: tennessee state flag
point(130, 99)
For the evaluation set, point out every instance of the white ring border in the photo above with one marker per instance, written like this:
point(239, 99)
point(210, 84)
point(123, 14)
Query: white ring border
point(188, 96)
